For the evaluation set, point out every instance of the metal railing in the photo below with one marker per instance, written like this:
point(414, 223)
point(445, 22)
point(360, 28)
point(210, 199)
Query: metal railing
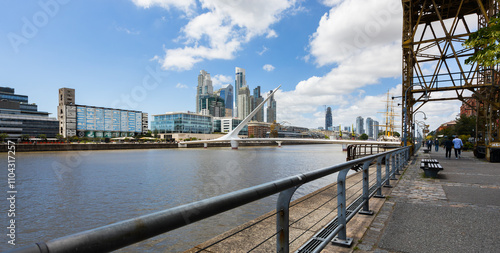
point(125, 233)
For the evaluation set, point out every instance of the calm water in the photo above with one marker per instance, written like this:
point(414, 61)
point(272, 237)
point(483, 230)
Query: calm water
point(60, 193)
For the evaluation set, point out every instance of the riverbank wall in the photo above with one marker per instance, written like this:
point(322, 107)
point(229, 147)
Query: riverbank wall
point(112, 146)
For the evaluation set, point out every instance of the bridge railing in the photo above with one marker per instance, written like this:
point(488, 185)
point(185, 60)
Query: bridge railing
point(125, 233)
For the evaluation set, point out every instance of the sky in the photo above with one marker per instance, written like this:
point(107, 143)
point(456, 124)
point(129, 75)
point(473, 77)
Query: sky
point(146, 54)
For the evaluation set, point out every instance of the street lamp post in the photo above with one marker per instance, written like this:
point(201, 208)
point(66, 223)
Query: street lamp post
point(413, 127)
point(406, 109)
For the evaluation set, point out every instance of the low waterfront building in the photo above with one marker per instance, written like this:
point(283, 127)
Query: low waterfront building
point(99, 122)
point(18, 117)
point(258, 129)
point(182, 122)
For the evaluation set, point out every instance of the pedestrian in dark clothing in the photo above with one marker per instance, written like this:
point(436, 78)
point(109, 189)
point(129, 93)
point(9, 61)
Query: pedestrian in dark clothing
point(448, 144)
point(429, 145)
point(436, 143)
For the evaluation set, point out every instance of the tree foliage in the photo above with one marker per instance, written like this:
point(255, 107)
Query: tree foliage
point(486, 42)
point(363, 137)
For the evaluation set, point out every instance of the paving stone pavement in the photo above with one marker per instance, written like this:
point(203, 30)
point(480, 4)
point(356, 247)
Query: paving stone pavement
point(416, 196)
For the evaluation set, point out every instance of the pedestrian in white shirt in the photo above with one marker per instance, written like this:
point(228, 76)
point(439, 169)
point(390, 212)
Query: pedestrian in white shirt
point(457, 145)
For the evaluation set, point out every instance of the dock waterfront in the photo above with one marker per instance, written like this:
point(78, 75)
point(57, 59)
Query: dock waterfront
point(459, 211)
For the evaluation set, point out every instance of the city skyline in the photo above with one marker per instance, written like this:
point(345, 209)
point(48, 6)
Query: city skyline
point(146, 55)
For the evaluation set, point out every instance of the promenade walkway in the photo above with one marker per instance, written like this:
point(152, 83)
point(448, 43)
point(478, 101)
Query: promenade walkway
point(457, 212)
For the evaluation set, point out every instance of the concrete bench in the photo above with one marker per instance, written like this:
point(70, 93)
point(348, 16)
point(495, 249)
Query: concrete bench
point(431, 167)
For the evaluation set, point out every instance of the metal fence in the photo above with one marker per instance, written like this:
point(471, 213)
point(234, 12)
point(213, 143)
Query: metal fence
point(124, 233)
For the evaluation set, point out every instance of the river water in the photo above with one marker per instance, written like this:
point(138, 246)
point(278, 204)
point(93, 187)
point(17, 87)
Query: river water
point(61, 193)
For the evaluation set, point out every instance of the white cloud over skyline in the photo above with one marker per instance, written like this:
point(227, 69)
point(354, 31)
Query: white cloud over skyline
point(220, 31)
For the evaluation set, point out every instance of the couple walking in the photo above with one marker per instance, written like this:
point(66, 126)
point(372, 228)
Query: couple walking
point(457, 144)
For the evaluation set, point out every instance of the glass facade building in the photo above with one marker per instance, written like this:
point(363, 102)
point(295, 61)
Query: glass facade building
point(182, 123)
point(18, 117)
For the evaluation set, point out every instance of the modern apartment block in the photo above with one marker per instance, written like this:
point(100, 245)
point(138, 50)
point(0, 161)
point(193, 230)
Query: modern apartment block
point(19, 117)
point(99, 122)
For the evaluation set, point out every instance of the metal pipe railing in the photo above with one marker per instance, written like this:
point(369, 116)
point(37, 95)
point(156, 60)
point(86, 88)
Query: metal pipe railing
point(124, 233)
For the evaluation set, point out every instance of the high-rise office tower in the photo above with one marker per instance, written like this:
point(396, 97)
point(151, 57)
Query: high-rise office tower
point(257, 99)
point(328, 119)
point(369, 127)
point(226, 93)
point(239, 82)
point(243, 102)
point(375, 129)
point(359, 125)
point(271, 109)
point(204, 88)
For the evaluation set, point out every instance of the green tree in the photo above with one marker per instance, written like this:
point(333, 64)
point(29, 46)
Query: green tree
point(363, 137)
point(465, 125)
point(43, 137)
point(487, 41)
point(25, 137)
point(3, 136)
point(59, 137)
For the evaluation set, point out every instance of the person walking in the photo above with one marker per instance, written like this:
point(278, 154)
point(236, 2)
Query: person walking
point(436, 143)
point(429, 145)
point(457, 145)
point(448, 144)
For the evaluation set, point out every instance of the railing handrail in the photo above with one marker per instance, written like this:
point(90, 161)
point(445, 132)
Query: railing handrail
point(125, 233)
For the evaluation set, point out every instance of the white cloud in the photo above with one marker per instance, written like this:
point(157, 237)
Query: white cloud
point(220, 31)
point(353, 26)
point(181, 86)
point(271, 34)
point(331, 3)
point(361, 40)
point(186, 6)
point(221, 80)
point(268, 67)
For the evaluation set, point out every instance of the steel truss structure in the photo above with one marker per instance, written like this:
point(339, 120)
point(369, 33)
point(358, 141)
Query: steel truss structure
point(433, 62)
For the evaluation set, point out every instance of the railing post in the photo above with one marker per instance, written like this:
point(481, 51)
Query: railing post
point(341, 238)
point(398, 162)
point(388, 171)
point(393, 159)
point(366, 190)
point(379, 178)
point(283, 219)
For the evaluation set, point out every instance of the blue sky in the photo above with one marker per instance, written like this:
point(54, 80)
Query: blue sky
point(146, 54)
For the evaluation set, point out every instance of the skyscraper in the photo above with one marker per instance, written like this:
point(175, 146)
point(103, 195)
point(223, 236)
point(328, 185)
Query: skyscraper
point(359, 125)
point(375, 129)
point(204, 88)
point(271, 109)
point(243, 102)
point(369, 127)
point(226, 93)
point(239, 82)
point(257, 99)
point(328, 119)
